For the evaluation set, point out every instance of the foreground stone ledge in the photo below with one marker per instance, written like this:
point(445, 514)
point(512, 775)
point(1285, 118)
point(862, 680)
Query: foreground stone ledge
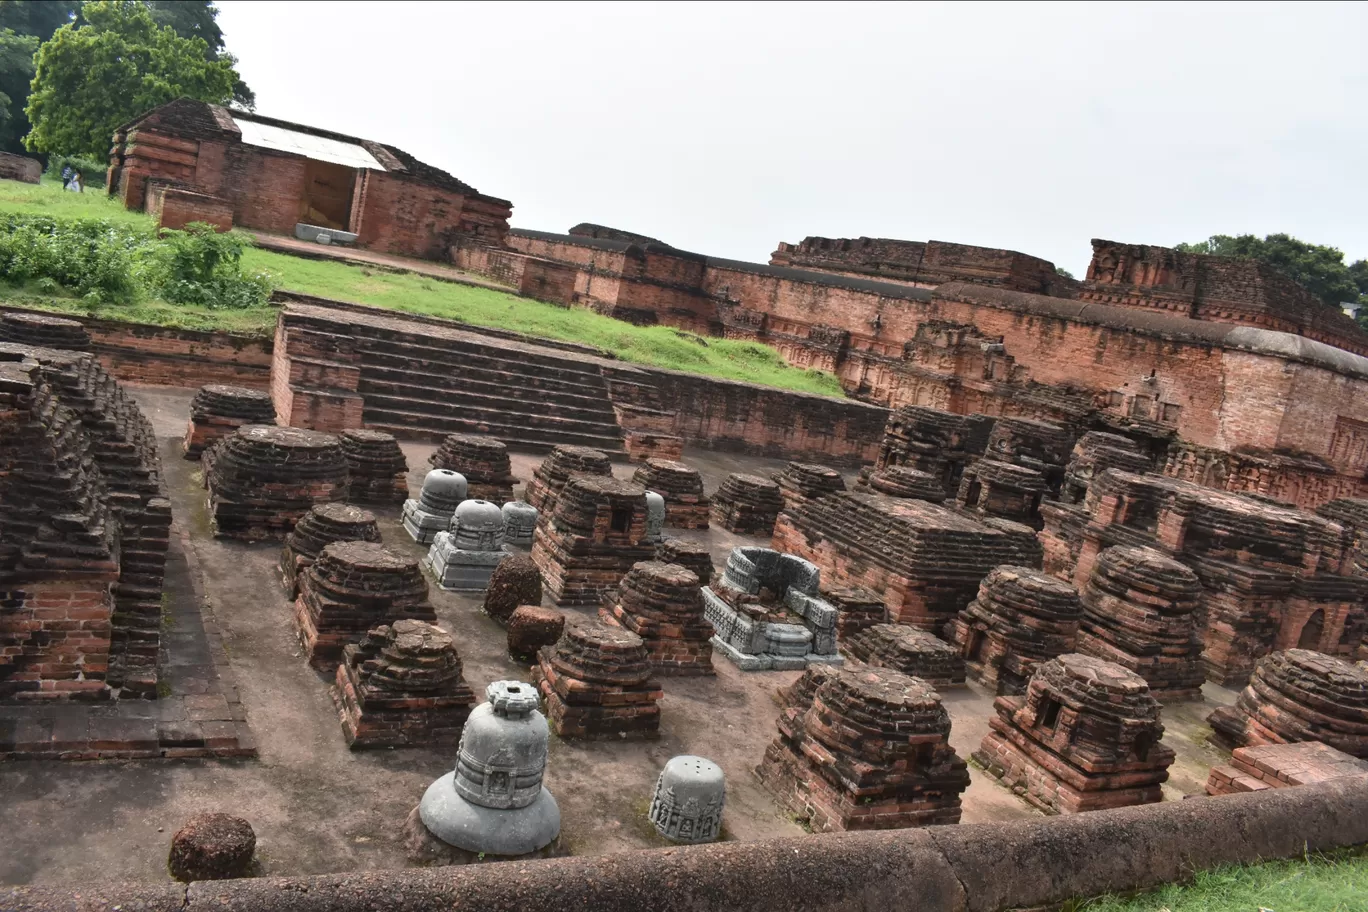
point(963, 868)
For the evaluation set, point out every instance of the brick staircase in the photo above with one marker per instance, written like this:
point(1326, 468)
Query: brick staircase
point(424, 380)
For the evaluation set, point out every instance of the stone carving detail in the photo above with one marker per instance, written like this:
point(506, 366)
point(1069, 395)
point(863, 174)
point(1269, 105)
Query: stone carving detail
point(688, 800)
point(520, 523)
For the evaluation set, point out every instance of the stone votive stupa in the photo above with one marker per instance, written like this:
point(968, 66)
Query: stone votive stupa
point(443, 491)
point(688, 800)
point(520, 524)
point(462, 559)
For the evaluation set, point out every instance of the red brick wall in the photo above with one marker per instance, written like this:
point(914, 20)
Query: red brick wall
point(178, 208)
point(409, 218)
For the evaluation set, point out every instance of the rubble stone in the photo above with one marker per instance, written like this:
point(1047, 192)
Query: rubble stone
point(747, 505)
point(320, 527)
point(1084, 737)
point(212, 847)
point(484, 463)
point(402, 686)
point(262, 480)
point(350, 588)
point(597, 683)
point(515, 581)
point(531, 628)
point(217, 411)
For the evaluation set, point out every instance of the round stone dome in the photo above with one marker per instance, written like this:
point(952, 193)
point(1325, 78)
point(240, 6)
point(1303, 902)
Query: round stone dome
point(479, 516)
point(443, 488)
point(502, 755)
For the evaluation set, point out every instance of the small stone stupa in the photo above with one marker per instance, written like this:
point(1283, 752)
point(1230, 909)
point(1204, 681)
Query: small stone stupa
point(443, 491)
point(462, 559)
point(492, 806)
point(688, 799)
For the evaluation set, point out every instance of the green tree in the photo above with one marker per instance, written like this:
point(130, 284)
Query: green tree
point(16, 70)
point(91, 79)
point(39, 18)
point(1061, 271)
point(199, 19)
point(1318, 268)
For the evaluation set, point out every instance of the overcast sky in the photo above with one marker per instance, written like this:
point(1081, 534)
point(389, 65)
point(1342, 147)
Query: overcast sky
point(726, 128)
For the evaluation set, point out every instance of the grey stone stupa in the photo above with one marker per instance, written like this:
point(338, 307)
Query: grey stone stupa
point(520, 522)
point(655, 516)
point(443, 491)
point(687, 805)
point(463, 558)
point(492, 806)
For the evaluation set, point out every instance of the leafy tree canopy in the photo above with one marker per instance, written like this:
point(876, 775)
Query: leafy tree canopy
point(39, 18)
point(1318, 268)
point(16, 70)
point(90, 80)
point(199, 19)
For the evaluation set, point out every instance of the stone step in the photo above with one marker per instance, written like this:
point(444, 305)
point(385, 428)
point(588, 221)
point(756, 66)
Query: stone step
point(458, 353)
point(431, 385)
point(517, 436)
point(489, 369)
point(506, 411)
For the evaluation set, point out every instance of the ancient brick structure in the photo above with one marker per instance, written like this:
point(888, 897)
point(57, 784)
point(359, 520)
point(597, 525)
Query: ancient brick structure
point(20, 168)
point(800, 482)
point(1095, 452)
point(401, 685)
point(661, 604)
point(532, 627)
point(909, 650)
point(1299, 695)
point(597, 683)
point(869, 751)
point(594, 536)
point(1272, 576)
point(515, 581)
point(901, 481)
point(217, 411)
point(691, 555)
point(563, 463)
point(1138, 608)
point(916, 263)
point(933, 441)
point(767, 612)
point(686, 506)
point(377, 472)
point(174, 208)
point(924, 559)
point(856, 609)
point(1021, 619)
point(275, 176)
point(993, 488)
point(320, 527)
point(350, 588)
point(1084, 737)
point(1352, 514)
point(483, 461)
point(747, 505)
point(262, 480)
point(431, 513)
point(1275, 766)
point(84, 531)
point(43, 331)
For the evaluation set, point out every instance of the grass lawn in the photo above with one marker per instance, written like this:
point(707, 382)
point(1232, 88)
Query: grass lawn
point(655, 346)
point(1331, 883)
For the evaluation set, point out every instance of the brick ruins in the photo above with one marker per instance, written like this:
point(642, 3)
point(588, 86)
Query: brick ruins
point(532, 627)
point(262, 480)
point(856, 609)
point(686, 506)
point(900, 481)
point(747, 505)
point(217, 411)
point(1272, 576)
point(515, 581)
point(767, 612)
point(595, 535)
point(1275, 766)
point(661, 604)
point(43, 331)
point(563, 463)
point(597, 683)
point(401, 686)
point(691, 555)
point(1021, 619)
point(350, 588)
point(800, 482)
point(191, 161)
point(1299, 695)
point(84, 532)
point(320, 527)
point(868, 750)
point(377, 472)
point(909, 650)
point(483, 461)
point(1084, 737)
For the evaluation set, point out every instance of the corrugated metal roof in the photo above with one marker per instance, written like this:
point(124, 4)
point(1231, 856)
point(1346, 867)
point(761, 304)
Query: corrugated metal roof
point(319, 148)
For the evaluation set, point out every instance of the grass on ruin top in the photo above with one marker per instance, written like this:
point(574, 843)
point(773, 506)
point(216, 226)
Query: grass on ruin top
point(1337, 882)
point(654, 346)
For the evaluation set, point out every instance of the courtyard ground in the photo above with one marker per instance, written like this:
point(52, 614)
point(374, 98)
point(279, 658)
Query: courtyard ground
point(318, 807)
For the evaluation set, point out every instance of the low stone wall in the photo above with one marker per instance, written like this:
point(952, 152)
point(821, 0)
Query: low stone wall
point(140, 353)
point(961, 868)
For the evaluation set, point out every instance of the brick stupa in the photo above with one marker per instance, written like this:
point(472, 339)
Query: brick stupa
point(747, 505)
point(686, 506)
point(662, 604)
point(597, 683)
point(693, 555)
point(217, 411)
point(871, 751)
point(320, 527)
point(596, 534)
point(1021, 618)
point(1084, 737)
point(377, 472)
point(350, 588)
point(483, 461)
point(800, 482)
point(562, 464)
point(402, 686)
point(913, 652)
point(262, 480)
point(1299, 695)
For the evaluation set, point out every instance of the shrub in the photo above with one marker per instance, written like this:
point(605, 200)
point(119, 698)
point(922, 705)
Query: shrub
point(92, 258)
point(203, 266)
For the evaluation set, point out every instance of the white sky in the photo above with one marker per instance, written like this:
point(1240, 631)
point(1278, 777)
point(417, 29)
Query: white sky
point(726, 128)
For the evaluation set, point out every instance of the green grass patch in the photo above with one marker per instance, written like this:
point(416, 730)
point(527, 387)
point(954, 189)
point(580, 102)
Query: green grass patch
point(1337, 882)
point(654, 346)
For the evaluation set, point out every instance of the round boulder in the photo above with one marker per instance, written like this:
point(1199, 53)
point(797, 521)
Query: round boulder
point(212, 847)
